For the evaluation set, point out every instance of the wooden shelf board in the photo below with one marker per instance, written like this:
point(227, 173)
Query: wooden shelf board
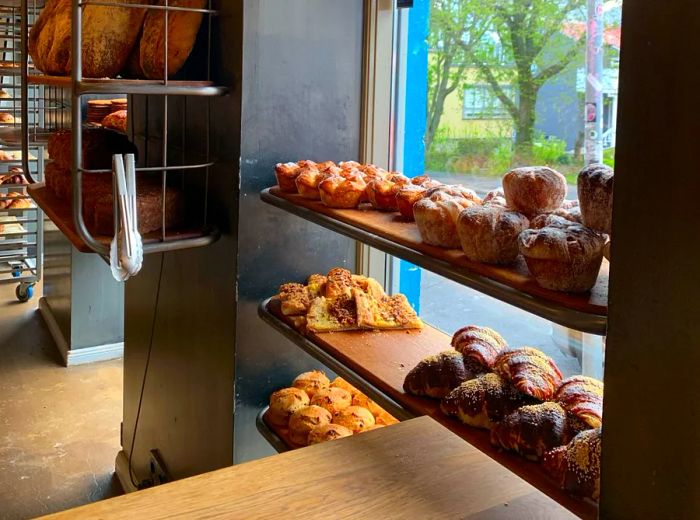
point(512, 284)
point(415, 469)
point(61, 214)
point(383, 359)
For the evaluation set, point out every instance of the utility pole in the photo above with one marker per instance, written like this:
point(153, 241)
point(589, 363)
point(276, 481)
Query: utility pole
point(594, 83)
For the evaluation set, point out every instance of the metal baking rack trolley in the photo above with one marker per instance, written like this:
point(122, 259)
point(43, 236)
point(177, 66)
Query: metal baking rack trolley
point(21, 221)
point(172, 140)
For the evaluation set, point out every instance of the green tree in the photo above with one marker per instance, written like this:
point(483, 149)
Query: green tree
point(516, 43)
point(456, 28)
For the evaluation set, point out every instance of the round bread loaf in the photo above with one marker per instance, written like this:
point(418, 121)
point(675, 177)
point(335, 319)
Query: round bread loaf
point(437, 213)
point(306, 419)
point(6, 118)
point(595, 191)
point(563, 258)
point(534, 190)
point(312, 382)
point(490, 233)
point(355, 418)
point(283, 403)
point(332, 399)
point(328, 432)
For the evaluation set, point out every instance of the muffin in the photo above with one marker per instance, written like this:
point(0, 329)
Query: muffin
point(287, 174)
point(283, 403)
point(343, 191)
point(306, 419)
point(382, 192)
point(355, 418)
point(332, 399)
point(436, 215)
point(312, 382)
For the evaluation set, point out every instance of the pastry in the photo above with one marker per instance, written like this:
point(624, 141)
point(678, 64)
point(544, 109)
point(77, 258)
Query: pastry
point(583, 397)
point(182, 27)
point(563, 258)
point(382, 191)
point(530, 370)
point(576, 466)
point(372, 172)
point(116, 121)
point(6, 118)
point(355, 418)
point(287, 174)
point(436, 376)
point(536, 429)
point(409, 194)
point(332, 315)
point(312, 382)
point(534, 190)
point(307, 182)
point(349, 166)
point(595, 191)
point(294, 298)
point(489, 233)
point(333, 399)
point(304, 420)
point(480, 347)
point(385, 313)
point(339, 283)
point(328, 432)
point(376, 426)
point(556, 220)
point(484, 401)
point(283, 403)
point(344, 191)
point(316, 285)
point(496, 197)
point(436, 215)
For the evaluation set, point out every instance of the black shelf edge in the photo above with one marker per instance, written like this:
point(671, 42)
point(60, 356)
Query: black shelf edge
point(336, 366)
point(554, 312)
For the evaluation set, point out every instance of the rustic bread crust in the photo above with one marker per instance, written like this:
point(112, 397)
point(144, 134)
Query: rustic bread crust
point(534, 190)
point(490, 233)
point(595, 191)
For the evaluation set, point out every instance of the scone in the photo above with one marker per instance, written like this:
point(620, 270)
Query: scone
point(534, 190)
point(283, 403)
point(489, 233)
point(312, 382)
point(563, 258)
point(595, 191)
point(355, 418)
point(436, 216)
point(328, 432)
point(332, 399)
point(306, 419)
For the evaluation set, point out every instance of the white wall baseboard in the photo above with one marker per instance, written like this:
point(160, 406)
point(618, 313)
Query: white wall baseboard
point(81, 356)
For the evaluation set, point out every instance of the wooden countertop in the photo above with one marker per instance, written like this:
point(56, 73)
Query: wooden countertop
point(415, 469)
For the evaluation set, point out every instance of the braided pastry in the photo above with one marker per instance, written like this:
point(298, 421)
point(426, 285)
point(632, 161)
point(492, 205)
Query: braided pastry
point(483, 401)
point(531, 372)
point(435, 376)
point(576, 467)
point(480, 346)
point(536, 429)
point(583, 397)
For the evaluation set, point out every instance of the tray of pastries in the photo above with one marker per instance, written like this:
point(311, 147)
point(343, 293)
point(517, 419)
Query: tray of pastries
point(315, 409)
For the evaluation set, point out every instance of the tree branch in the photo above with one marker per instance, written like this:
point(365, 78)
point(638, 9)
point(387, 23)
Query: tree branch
point(549, 72)
point(498, 89)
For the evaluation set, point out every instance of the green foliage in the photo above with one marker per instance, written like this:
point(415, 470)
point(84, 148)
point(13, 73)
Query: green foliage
point(550, 151)
point(609, 157)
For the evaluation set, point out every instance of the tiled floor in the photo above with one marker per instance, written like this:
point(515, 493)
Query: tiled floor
point(59, 427)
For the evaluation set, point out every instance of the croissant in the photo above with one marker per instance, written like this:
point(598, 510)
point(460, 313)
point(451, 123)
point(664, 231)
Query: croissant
point(576, 466)
point(535, 429)
point(483, 401)
point(480, 345)
point(530, 370)
point(436, 376)
point(583, 397)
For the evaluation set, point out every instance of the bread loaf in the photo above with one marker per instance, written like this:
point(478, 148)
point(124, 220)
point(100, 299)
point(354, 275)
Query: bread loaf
point(489, 233)
point(183, 27)
point(595, 191)
point(98, 147)
point(109, 35)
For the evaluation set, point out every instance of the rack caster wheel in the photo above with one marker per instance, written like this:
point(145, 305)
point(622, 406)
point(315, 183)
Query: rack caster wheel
point(24, 292)
point(16, 272)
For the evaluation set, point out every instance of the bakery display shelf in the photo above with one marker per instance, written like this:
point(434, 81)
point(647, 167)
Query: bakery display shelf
point(130, 86)
point(274, 438)
point(514, 285)
point(381, 360)
point(61, 214)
